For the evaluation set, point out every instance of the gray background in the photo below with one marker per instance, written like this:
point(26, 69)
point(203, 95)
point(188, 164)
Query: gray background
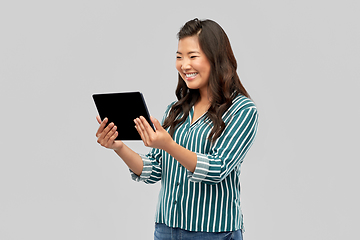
point(298, 59)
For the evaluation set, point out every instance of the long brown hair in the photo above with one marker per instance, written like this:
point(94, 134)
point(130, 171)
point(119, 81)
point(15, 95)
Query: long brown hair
point(224, 82)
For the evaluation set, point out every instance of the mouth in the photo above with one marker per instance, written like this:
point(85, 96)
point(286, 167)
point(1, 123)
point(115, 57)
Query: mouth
point(190, 76)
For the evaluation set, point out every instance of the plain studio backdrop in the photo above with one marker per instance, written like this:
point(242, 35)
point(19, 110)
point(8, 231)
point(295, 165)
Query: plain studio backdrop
point(299, 60)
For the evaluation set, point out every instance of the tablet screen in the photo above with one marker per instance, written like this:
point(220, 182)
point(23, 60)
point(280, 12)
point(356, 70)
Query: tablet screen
point(122, 109)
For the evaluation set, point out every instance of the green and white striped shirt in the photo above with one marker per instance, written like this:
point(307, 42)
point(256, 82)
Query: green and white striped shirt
point(207, 200)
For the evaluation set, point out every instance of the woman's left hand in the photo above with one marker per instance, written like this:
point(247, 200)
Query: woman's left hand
point(159, 139)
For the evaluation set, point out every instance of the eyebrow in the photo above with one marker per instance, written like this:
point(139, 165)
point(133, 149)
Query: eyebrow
point(188, 52)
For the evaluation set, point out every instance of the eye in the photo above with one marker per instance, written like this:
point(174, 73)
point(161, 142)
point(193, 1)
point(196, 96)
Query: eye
point(178, 57)
point(192, 57)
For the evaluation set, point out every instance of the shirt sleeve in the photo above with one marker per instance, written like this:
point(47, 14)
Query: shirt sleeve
point(151, 172)
point(228, 150)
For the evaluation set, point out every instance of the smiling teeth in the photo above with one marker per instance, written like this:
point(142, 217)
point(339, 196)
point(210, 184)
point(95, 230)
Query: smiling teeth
point(191, 75)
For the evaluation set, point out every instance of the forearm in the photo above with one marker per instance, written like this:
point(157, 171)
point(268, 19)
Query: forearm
point(131, 159)
point(185, 157)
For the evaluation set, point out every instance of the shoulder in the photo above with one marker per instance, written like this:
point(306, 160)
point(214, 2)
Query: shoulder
point(171, 104)
point(168, 108)
point(243, 110)
point(241, 103)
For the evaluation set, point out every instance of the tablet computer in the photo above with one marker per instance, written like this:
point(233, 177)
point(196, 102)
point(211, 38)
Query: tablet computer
point(122, 109)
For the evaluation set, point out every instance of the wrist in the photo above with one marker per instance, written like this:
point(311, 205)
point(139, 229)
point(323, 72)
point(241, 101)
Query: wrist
point(170, 146)
point(118, 148)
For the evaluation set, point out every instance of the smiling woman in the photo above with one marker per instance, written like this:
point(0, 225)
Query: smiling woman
point(198, 150)
point(203, 45)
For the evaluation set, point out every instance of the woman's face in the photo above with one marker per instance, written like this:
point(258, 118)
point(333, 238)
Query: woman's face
point(192, 64)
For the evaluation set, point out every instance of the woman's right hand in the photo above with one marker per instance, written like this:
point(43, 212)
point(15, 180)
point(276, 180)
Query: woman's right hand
point(106, 135)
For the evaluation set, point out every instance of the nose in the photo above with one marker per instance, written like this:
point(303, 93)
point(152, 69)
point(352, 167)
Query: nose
point(185, 64)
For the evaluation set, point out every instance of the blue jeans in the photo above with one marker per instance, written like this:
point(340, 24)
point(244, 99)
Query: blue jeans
point(163, 232)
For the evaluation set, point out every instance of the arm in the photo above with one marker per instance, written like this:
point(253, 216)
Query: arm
point(227, 152)
point(131, 159)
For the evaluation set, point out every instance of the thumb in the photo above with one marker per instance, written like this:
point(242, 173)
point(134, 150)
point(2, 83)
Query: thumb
point(156, 123)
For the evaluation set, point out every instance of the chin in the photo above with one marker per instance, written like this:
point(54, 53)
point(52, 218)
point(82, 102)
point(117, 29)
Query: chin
point(191, 86)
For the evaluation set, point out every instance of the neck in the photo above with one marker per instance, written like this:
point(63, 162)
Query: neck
point(204, 96)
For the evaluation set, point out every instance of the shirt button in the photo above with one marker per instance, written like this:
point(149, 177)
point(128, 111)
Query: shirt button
point(177, 184)
point(175, 202)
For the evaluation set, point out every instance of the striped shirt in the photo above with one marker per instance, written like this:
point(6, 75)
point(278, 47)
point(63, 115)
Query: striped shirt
point(208, 199)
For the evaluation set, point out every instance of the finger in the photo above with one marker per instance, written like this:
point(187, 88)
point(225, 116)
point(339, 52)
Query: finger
point(147, 126)
point(111, 130)
point(139, 128)
point(105, 135)
point(113, 137)
point(144, 126)
point(144, 134)
point(156, 123)
point(106, 130)
point(101, 127)
point(98, 119)
point(109, 139)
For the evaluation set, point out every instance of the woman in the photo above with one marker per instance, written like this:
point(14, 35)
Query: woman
point(198, 150)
